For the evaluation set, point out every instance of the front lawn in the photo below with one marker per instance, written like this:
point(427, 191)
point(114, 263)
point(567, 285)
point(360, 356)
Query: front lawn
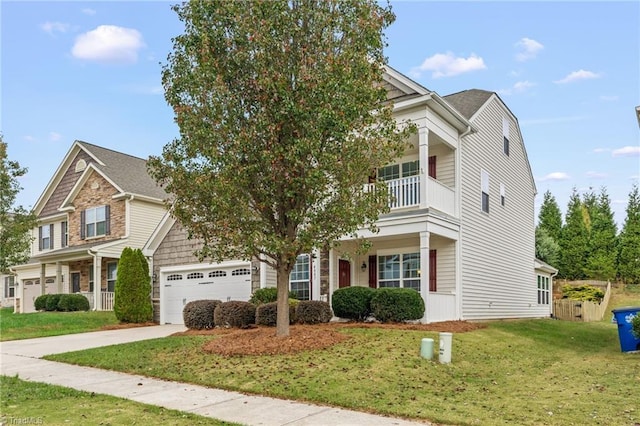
point(42, 324)
point(39, 403)
point(526, 372)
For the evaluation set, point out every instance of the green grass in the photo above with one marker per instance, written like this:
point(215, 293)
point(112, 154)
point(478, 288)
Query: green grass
point(526, 372)
point(38, 403)
point(42, 324)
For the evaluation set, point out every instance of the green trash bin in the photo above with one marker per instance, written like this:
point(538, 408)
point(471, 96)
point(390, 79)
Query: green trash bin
point(628, 341)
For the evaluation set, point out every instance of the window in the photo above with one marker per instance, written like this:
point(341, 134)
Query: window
point(503, 195)
point(396, 171)
point(399, 270)
point(174, 277)
point(112, 273)
point(300, 278)
point(243, 271)
point(94, 222)
point(543, 290)
point(484, 177)
point(45, 237)
point(64, 234)
point(9, 286)
point(505, 135)
point(91, 277)
point(214, 274)
point(195, 275)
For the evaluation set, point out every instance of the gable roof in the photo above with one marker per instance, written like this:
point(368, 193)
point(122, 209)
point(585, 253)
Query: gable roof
point(128, 174)
point(468, 102)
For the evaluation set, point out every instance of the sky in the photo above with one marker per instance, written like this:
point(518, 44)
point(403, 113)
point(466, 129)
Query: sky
point(569, 71)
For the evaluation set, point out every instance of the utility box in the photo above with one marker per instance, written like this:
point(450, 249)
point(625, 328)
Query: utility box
point(426, 348)
point(445, 348)
point(623, 317)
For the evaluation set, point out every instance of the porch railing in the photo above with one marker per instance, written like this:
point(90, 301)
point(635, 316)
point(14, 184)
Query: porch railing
point(106, 299)
point(442, 307)
point(441, 197)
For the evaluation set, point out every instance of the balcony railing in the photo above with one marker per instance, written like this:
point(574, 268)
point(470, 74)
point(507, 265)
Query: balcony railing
point(441, 197)
point(404, 192)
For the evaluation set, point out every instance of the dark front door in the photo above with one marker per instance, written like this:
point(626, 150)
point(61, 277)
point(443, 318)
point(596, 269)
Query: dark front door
point(344, 271)
point(75, 282)
point(432, 166)
point(433, 273)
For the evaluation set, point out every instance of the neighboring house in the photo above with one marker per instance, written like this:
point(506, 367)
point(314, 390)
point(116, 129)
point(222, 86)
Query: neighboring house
point(98, 202)
point(8, 290)
point(460, 230)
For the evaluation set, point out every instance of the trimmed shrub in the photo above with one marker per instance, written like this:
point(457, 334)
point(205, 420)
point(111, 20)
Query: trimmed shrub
point(41, 302)
point(267, 295)
point(132, 299)
point(73, 302)
point(198, 314)
point(583, 292)
point(267, 313)
point(52, 302)
point(397, 305)
point(352, 302)
point(313, 312)
point(234, 314)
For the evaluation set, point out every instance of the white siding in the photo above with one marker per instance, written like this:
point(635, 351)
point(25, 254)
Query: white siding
point(143, 219)
point(57, 237)
point(445, 265)
point(445, 164)
point(498, 249)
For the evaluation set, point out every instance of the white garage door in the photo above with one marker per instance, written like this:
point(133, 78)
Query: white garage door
point(216, 282)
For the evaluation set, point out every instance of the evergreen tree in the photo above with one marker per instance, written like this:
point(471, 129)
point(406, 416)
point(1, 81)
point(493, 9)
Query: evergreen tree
point(601, 261)
point(574, 240)
point(629, 247)
point(547, 249)
point(550, 217)
point(132, 299)
point(589, 208)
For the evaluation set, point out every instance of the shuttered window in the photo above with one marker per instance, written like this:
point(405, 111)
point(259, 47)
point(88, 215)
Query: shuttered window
point(45, 237)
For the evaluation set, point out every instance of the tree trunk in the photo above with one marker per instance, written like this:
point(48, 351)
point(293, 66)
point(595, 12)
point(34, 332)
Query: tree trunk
point(282, 320)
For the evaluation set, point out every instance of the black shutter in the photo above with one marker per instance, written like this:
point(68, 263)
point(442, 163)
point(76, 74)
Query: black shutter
point(39, 237)
point(51, 237)
point(63, 232)
point(373, 271)
point(107, 219)
point(82, 225)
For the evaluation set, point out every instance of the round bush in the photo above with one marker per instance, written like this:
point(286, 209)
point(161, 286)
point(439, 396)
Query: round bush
point(313, 312)
point(73, 302)
point(352, 302)
point(397, 305)
point(52, 302)
point(41, 302)
point(267, 295)
point(267, 313)
point(198, 314)
point(234, 314)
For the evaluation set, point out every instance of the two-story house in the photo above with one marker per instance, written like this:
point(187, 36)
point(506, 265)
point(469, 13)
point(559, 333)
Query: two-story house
point(460, 229)
point(98, 202)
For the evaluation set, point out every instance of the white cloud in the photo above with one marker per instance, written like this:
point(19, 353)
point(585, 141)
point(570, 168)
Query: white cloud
point(88, 11)
point(612, 98)
point(110, 44)
point(55, 27)
point(518, 87)
point(54, 136)
point(626, 151)
point(555, 176)
point(597, 175)
point(578, 75)
point(529, 49)
point(448, 65)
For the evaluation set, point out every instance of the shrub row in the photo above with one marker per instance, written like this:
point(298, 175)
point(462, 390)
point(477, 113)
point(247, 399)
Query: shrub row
point(583, 292)
point(204, 314)
point(267, 295)
point(384, 304)
point(62, 302)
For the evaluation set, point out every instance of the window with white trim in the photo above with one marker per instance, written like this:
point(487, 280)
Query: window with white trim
point(214, 274)
point(484, 179)
point(503, 195)
point(94, 222)
point(300, 277)
point(399, 270)
point(505, 135)
point(112, 273)
point(174, 277)
point(45, 237)
point(9, 286)
point(195, 275)
point(543, 290)
point(64, 234)
point(396, 171)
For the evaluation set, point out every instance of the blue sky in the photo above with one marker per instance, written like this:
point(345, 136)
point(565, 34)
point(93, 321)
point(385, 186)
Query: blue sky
point(570, 72)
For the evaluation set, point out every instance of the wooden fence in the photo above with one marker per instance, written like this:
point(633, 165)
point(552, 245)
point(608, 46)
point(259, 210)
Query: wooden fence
point(576, 310)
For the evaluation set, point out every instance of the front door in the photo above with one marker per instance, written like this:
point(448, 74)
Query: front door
point(75, 282)
point(344, 273)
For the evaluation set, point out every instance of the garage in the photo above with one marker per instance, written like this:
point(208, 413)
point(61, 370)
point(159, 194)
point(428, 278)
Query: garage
point(181, 285)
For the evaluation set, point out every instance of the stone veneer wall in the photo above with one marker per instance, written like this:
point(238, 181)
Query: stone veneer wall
point(97, 192)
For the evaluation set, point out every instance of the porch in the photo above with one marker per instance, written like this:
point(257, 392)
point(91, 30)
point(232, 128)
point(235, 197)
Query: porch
point(106, 300)
point(405, 193)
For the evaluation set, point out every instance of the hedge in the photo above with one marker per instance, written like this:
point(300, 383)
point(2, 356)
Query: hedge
point(352, 302)
point(198, 314)
point(62, 302)
point(267, 313)
point(313, 312)
point(397, 305)
point(234, 314)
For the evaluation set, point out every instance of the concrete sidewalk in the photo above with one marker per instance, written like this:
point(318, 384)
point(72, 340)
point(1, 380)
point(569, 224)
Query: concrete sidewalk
point(21, 357)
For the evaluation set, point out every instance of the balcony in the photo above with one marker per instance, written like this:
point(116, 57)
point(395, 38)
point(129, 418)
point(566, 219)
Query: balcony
point(405, 193)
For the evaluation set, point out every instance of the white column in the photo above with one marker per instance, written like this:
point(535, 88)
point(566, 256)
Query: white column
point(97, 283)
point(263, 272)
point(423, 153)
point(424, 273)
point(43, 273)
point(332, 267)
point(315, 274)
point(59, 277)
